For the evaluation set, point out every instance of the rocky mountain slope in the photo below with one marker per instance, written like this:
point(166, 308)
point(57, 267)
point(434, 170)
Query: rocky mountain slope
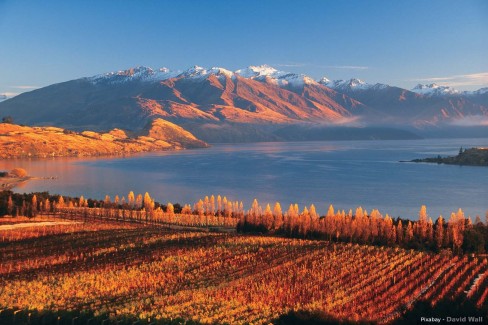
point(249, 104)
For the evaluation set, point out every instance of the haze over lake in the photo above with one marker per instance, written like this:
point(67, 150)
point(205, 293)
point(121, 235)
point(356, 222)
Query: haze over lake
point(346, 174)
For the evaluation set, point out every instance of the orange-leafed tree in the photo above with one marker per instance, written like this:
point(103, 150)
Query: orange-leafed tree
point(219, 205)
point(422, 223)
point(170, 209)
point(409, 233)
point(314, 219)
point(439, 232)
point(139, 201)
point(61, 203)
point(430, 231)
point(131, 199)
point(34, 205)
point(268, 218)
point(277, 216)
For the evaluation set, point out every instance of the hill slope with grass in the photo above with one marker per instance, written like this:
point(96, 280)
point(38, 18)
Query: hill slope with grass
point(23, 141)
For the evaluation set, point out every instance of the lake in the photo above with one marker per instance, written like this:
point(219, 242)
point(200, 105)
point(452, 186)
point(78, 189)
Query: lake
point(346, 174)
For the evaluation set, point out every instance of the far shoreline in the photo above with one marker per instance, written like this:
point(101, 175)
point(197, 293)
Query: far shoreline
point(476, 157)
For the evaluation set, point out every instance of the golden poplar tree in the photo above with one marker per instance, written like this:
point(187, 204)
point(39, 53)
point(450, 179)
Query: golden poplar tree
point(268, 218)
point(409, 233)
point(34, 205)
point(422, 224)
point(60, 202)
point(439, 232)
point(132, 199)
point(170, 209)
point(277, 216)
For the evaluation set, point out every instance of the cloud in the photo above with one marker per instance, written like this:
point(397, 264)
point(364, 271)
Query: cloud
point(353, 121)
point(17, 90)
point(10, 94)
point(295, 65)
point(472, 79)
point(289, 65)
point(473, 120)
point(350, 67)
point(25, 87)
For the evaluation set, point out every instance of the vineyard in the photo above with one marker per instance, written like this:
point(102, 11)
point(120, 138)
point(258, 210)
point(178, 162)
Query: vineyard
point(121, 271)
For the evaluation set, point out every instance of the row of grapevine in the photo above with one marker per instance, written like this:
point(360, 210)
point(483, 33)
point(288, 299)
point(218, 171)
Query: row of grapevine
point(154, 273)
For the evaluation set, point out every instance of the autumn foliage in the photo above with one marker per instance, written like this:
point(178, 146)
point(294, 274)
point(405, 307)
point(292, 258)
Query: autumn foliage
point(116, 269)
point(136, 258)
point(458, 233)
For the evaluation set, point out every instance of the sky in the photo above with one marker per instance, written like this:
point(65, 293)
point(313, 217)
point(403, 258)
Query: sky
point(401, 43)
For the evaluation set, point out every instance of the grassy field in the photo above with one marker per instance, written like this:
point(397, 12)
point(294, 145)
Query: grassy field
point(105, 271)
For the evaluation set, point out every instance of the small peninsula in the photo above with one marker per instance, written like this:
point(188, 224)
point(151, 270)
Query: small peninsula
point(19, 141)
point(466, 157)
point(9, 180)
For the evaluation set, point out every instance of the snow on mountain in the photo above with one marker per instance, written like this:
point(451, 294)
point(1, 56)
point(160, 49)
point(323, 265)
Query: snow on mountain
point(274, 76)
point(268, 74)
point(147, 74)
point(135, 74)
point(350, 85)
point(435, 90)
point(200, 72)
point(264, 70)
point(342, 84)
point(325, 81)
point(480, 91)
point(260, 73)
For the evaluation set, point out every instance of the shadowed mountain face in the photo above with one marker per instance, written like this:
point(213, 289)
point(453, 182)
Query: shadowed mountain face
point(218, 105)
point(403, 106)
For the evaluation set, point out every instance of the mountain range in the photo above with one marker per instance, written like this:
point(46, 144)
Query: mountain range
point(253, 104)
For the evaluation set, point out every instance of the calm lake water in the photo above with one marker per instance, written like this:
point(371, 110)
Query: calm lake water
point(346, 174)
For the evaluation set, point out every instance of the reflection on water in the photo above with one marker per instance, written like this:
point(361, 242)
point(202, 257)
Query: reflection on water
point(344, 173)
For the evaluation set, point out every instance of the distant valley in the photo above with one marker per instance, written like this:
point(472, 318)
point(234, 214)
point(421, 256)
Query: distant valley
point(258, 103)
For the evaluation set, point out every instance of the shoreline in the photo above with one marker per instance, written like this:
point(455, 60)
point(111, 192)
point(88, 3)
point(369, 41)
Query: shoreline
point(477, 157)
point(8, 183)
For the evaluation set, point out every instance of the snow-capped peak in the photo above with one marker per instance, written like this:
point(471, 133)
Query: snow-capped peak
point(355, 83)
point(263, 70)
point(480, 91)
point(140, 73)
point(435, 90)
point(200, 72)
point(194, 71)
point(324, 81)
point(343, 85)
point(269, 74)
point(221, 71)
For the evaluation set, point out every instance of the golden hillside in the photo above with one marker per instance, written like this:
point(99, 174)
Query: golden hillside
point(22, 141)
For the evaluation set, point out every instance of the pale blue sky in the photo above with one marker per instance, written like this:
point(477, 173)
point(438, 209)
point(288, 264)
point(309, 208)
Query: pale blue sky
point(401, 43)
